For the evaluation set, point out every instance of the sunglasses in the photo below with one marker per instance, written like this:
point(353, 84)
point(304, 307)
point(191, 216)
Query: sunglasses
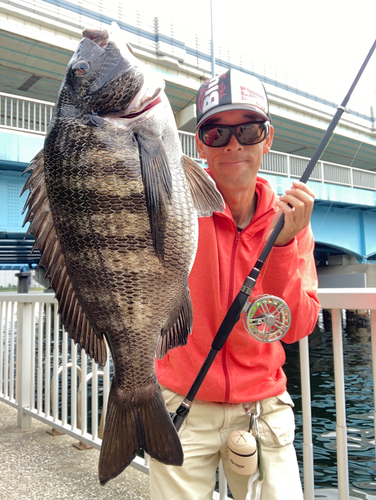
point(217, 136)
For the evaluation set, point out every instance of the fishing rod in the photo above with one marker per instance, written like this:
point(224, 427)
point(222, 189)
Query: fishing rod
point(275, 316)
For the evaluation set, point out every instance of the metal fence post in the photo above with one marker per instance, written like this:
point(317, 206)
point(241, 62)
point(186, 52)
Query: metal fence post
point(373, 338)
point(341, 428)
point(24, 335)
point(308, 464)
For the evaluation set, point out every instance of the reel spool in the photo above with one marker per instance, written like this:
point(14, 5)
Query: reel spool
point(266, 318)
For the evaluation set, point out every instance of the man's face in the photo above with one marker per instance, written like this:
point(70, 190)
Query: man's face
point(234, 167)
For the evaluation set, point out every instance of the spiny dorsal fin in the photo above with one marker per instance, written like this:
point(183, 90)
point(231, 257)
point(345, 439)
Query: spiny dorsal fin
point(46, 240)
point(206, 197)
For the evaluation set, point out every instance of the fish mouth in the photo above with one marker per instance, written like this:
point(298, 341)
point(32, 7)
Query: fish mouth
point(130, 112)
point(146, 108)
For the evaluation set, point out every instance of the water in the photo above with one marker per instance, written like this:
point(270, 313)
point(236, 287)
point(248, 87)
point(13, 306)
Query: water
point(359, 408)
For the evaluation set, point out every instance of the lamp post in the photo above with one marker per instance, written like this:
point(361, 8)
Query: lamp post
point(212, 39)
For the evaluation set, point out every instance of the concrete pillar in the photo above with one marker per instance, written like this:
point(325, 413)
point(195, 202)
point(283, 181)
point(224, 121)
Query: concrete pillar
point(186, 119)
point(317, 328)
point(327, 319)
point(351, 321)
point(357, 319)
point(363, 319)
point(23, 282)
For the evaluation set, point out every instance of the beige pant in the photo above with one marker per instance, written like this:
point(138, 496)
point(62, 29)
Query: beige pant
point(204, 436)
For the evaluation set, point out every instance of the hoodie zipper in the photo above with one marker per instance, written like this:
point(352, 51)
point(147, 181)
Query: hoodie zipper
point(230, 300)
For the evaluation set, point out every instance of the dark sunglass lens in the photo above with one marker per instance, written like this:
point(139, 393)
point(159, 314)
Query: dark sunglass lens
point(250, 133)
point(216, 136)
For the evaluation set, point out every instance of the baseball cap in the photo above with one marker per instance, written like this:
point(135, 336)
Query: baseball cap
point(233, 90)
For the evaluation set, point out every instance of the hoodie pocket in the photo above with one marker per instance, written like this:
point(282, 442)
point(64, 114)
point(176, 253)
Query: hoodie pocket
point(173, 401)
point(277, 421)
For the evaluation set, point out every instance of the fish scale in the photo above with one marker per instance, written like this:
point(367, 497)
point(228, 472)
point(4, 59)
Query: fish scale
point(117, 205)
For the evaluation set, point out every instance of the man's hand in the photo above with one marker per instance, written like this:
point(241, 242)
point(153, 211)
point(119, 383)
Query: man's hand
point(297, 205)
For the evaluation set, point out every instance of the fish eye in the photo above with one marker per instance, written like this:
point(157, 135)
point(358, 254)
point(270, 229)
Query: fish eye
point(81, 68)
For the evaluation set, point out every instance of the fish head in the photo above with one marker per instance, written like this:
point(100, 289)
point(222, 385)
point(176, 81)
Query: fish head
point(104, 77)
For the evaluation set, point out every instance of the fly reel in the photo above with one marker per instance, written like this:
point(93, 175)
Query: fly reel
point(266, 318)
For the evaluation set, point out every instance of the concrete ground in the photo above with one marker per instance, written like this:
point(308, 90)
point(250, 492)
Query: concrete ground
point(35, 465)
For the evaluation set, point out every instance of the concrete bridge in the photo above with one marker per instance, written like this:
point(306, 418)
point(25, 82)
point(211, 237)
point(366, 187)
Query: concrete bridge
point(35, 46)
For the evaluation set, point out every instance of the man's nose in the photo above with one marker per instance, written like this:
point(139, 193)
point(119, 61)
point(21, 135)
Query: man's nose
point(234, 145)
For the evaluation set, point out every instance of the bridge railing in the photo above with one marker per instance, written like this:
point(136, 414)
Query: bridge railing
point(33, 116)
point(45, 376)
point(293, 166)
point(18, 113)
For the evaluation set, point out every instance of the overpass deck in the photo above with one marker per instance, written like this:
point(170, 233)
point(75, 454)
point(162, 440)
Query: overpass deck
point(37, 38)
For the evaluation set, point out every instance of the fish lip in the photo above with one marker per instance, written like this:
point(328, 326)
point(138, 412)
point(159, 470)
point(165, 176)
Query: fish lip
point(151, 104)
point(154, 100)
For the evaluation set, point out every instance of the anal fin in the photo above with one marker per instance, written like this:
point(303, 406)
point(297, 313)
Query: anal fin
point(176, 335)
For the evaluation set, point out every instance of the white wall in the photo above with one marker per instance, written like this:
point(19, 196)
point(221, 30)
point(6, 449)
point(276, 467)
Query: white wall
point(9, 278)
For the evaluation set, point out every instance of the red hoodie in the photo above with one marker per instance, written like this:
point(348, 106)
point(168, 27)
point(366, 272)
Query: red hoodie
point(245, 369)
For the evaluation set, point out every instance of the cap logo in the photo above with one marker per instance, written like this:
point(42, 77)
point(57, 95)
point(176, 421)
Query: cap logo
point(252, 97)
point(212, 95)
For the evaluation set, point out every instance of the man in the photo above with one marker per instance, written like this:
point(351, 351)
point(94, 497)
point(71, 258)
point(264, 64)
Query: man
point(233, 134)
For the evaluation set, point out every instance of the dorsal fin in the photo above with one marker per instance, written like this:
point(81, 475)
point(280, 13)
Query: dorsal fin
point(39, 216)
point(206, 197)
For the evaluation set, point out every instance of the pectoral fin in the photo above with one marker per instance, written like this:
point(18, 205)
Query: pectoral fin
point(206, 197)
point(156, 177)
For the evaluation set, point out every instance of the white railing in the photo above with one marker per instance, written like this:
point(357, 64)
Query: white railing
point(287, 165)
point(44, 376)
point(336, 300)
point(330, 173)
point(30, 115)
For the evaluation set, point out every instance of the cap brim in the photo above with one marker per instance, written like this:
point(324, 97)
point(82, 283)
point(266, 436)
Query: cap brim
point(233, 107)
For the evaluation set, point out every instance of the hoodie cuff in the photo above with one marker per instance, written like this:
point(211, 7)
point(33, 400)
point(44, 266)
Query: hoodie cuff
point(291, 242)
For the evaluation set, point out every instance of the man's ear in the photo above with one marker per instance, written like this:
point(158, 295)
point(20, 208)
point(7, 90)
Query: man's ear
point(268, 141)
point(200, 147)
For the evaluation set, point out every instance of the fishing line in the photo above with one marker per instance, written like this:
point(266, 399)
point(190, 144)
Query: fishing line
point(357, 151)
point(330, 206)
point(351, 164)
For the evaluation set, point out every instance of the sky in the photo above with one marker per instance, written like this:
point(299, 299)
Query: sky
point(320, 45)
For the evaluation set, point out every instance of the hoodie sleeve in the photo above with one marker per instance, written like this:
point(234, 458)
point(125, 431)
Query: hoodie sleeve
point(290, 273)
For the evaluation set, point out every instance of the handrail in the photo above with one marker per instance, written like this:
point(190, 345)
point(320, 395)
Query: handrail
point(33, 116)
point(292, 166)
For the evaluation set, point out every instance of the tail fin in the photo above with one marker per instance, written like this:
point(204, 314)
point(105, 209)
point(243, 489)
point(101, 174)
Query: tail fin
point(131, 428)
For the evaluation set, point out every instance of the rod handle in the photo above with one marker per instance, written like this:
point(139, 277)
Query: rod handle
point(181, 413)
